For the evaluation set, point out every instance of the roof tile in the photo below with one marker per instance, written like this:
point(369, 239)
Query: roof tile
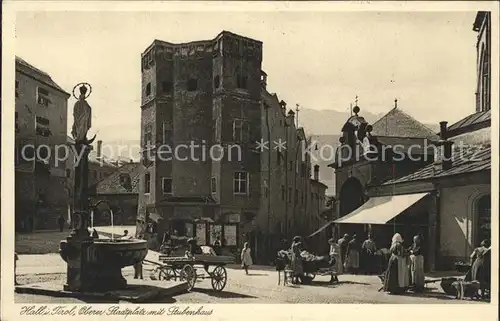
point(112, 183)
point(37, 74)
point(397, 123)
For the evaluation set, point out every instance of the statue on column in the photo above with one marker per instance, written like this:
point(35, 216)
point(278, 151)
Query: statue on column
point(82, 114)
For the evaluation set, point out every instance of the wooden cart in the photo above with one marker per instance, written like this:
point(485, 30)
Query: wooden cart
point(186, 268)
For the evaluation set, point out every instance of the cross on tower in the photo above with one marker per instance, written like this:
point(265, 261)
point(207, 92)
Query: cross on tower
point(356, 100)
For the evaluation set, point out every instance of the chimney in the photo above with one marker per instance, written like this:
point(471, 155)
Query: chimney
point(443, 130)
point(316, 172)
point(443, 159)
point(99, 149)
point(291, 117)
point(263, 79)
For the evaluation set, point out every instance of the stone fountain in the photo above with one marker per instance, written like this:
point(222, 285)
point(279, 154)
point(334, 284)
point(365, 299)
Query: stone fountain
point(93, 265)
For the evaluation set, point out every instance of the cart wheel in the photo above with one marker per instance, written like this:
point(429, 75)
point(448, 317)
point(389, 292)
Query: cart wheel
point(167, 274)
point(188, 274)
point(219, 278)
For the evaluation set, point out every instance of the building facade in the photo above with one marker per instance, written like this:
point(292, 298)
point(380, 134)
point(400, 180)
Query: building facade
point(212, 94)
point(118, 192)
point(41, 126)
point(482, 25)
point(442, 193)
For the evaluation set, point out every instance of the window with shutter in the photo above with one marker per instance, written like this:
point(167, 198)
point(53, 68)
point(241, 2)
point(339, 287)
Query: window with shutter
point(43, 97)
point(42, 126)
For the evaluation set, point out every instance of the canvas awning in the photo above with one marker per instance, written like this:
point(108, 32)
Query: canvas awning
point(321, 229)
point(380, 210)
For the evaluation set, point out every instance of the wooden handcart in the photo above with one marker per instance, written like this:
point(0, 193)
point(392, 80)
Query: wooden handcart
point(187, 268)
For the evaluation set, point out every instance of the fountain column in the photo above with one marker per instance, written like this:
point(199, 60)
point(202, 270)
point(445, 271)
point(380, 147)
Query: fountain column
point(75, 249)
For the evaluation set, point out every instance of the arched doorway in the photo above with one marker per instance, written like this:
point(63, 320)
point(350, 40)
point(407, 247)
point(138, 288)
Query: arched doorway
point(352, 196)
point(483, 225)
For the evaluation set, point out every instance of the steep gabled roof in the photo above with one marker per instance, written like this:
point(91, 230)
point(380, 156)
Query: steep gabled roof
point(31, 71)
point(397, 123)
point(113, 185)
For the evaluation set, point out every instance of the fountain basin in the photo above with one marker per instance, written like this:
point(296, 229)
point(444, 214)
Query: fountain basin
point(99, 262)
point(120, 253)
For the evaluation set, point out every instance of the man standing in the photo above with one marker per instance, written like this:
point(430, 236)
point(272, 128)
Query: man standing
point(343, 242)
point(60, 222)
point(217, 245)
point(138, 268)
point(368, 249)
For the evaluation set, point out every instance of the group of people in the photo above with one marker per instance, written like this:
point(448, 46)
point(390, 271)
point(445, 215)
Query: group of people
point(356, 257)
point(405, 269)
point(405, 266)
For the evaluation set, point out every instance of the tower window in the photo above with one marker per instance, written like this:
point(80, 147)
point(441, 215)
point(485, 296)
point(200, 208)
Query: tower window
point(240, 183)
point(214, 185)
point(241, 81)
point(192, 84)
point(217, 81)
point(148, 135)
point(166, 86)
point(147, 183)
point(148, 89)
point(166, 185)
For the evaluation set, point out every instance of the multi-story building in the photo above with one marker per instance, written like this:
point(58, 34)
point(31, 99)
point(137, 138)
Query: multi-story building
point(482, 25)
point(41, 126)
point(442, 193)
point(212, 93)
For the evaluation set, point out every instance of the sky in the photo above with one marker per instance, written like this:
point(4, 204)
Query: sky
point(320, 60)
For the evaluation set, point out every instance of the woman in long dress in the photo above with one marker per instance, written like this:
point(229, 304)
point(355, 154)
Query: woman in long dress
point(481, 267)
point(246, 257)
point(297, 262)
point(397, 278)
point(335, 259)
point(417, 265)
point(352, 260)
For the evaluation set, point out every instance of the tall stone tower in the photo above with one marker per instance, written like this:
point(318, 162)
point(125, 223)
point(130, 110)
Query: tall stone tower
point(199, 94)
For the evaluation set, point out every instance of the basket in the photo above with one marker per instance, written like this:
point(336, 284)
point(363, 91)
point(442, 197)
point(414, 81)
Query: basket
point(462, 267)
point(447, 286)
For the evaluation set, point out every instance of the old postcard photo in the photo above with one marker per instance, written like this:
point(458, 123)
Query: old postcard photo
point(169, 159)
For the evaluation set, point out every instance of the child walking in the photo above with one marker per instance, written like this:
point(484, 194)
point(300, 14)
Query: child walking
point(246, 258)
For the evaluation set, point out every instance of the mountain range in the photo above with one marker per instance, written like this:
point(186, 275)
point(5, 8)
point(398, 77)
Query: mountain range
point(323, 126)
